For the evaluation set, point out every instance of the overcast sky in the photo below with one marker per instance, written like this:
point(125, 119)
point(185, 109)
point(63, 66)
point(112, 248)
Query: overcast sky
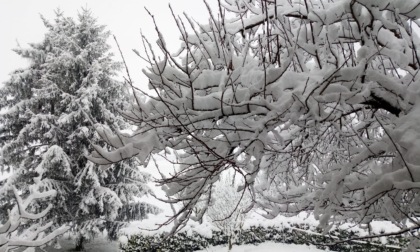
point(20, 22)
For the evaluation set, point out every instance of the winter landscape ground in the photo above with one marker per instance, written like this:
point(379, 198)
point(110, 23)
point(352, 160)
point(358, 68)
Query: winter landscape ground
point(102, 244)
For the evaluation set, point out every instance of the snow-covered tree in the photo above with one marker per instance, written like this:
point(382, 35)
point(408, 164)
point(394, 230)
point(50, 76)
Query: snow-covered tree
point(47, 127)
point(315, 103)
point(229, 207)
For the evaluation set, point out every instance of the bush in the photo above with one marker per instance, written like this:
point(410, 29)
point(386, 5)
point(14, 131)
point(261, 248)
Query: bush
point(296, 234)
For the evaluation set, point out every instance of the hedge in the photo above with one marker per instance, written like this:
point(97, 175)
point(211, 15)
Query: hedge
point(296, 234)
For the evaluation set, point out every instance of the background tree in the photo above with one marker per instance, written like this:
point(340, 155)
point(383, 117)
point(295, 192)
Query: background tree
point(314, 103)
point(228, 209)
point(48, 113)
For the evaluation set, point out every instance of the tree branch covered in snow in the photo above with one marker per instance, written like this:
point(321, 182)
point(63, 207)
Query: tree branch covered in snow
point(314, 103)
point(35, 234)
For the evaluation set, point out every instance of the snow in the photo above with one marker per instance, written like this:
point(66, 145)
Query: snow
point(103, 245)
point(99, 244)
point(264, 247)
point(349, 100)
point(123, 240)
point(254, 218)
point(35, 234)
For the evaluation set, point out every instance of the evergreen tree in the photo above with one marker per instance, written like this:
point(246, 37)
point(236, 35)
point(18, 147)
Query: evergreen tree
point(48, 115)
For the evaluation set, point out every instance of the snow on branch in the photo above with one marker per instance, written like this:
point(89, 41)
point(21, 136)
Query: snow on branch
point(34, 234)
point(313, 103)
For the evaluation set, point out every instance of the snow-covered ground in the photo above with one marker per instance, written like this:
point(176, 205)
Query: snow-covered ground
point(97, 245)
point(101, 245)
point(264, 247)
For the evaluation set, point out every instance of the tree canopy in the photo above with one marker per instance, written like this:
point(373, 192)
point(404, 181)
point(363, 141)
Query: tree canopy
point(314, 103)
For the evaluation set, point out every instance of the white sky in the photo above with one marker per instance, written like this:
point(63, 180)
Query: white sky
point(20, 22)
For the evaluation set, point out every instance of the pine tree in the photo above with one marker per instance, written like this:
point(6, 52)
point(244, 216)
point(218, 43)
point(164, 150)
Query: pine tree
point(49, 112)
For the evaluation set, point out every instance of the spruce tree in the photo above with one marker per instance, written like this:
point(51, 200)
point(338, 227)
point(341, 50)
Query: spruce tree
point(48, 116)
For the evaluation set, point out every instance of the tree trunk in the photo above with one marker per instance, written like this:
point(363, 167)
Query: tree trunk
point(230, 245)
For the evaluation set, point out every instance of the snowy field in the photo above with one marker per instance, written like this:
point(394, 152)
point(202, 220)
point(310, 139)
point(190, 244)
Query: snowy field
point(264, 247)
point(97, 245)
